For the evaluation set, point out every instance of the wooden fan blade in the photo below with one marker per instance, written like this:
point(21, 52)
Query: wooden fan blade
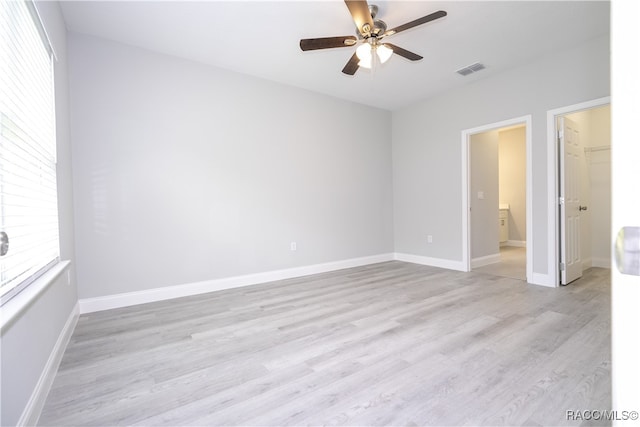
point(419, 21)
point(352, 65)
point(403, 52)
point(359, 10)
point(327, 42)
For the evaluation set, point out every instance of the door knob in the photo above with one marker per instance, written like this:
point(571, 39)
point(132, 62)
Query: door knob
point(582, 208)
point(627, 250)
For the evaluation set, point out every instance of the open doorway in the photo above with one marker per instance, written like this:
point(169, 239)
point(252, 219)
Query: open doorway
point(497, 195)
point(584, 191)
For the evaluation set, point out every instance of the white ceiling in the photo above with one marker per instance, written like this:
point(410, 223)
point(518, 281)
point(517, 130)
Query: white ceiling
point(260, 38)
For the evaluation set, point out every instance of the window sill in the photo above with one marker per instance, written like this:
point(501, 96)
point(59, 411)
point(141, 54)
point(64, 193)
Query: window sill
point(19, 303)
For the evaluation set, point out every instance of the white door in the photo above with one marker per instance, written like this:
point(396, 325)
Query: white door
point(570, 152)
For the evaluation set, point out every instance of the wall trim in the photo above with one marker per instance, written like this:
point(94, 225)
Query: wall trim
point(516, 243)
point(432, 262)
point(485, 260)
point(466, 218)
point(553, 216)
point(542, 280)
point(107, 302)
point(23, 299)
point(34, 407)
point(90, 305)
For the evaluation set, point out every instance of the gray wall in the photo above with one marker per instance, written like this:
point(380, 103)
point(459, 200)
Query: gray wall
point(427, 148)
point(483, 178)
point(512, 166)
point(185, 172)
point(29, 340)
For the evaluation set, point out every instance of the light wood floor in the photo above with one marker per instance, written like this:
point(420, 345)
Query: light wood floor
point(386, 344)
point(513, 264)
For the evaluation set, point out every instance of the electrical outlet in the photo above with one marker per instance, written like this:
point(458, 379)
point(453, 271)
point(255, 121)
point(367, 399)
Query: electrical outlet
point(429, 238)
point(294, 246)
point(481, 195)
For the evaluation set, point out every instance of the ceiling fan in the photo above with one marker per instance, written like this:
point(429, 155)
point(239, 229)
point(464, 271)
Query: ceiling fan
point(370, 33)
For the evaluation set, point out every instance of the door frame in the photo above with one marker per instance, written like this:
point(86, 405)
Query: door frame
point(466, 165)
point(553, 167)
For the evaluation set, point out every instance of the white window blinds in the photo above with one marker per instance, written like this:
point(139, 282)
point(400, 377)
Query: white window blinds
point(28, 193)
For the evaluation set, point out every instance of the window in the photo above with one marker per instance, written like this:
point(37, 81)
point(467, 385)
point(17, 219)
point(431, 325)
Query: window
point(28, 192)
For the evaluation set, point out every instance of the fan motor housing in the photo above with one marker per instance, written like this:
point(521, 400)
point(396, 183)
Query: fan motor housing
point(379, 27)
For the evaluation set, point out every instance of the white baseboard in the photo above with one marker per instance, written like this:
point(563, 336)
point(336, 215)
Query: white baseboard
point(485, 260)
point(32, 411)
point(542, 280)
point(432, 262)
point(601, 262)
point(515, 243)
point(89, 305)
point(596, 262)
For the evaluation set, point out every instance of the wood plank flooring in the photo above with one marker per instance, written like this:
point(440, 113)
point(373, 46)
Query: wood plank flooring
point(386, 344)
point(513, 264)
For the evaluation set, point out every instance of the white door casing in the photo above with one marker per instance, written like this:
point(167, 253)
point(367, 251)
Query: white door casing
point(569, 155)
point(466, 217)
point(552, 278)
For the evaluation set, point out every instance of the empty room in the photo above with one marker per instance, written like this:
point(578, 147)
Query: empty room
point(270, 213)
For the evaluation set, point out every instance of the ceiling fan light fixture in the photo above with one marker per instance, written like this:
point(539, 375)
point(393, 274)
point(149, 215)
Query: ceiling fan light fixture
point(365, 64)
point(384, 53)
point(366, 50)
point(364, 54)
point(370, 32)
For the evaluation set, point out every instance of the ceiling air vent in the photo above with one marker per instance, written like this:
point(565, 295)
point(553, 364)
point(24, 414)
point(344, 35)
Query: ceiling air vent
point(465, 71)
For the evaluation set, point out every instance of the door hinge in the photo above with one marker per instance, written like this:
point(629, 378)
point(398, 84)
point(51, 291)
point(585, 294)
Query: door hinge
point(562, 266)
point(560, 134)
point(561, 200)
